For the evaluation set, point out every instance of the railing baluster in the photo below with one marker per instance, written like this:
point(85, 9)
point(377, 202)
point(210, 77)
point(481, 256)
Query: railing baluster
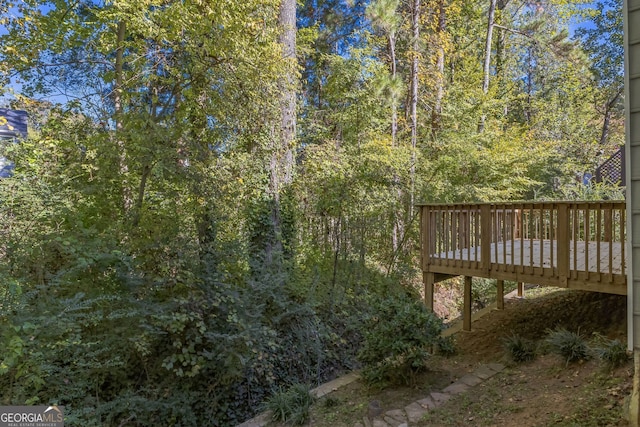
point(504, 238)
point(598, 237)
point(623, 236)
point(576, 236)
point(477, 232)
point(609, 232)
point(552, 235)
point(513, 237)
point(454, 230)
point(523, 217)
point(542, 227)
point(587, 227)
point(531, 235)
point(497, 226)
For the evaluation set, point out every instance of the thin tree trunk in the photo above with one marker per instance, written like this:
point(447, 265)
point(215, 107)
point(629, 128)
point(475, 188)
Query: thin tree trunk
point(487, 59)
point(436, 114)
point(415, 69)
point(127, 199)
point(394, 100)
point(394, 132)
point(604, 135)
point(137, 209)
point(500, 50)
point(530, 69)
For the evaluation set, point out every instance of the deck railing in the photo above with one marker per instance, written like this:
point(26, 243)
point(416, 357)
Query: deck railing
point(555, 242)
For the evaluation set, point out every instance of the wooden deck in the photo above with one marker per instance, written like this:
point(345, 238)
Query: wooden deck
point(576, 245)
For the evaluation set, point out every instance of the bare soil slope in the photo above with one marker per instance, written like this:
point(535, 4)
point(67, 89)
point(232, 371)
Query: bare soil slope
point(544, 392)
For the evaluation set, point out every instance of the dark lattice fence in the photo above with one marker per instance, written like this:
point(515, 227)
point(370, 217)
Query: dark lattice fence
point(613, 169)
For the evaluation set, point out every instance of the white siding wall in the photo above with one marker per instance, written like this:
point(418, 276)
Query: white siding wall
point(632, 99)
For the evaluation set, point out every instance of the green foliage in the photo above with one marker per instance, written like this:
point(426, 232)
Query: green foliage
point(139, 283)
point(570, 345)
point(519, 349)
point(291, 406)
point(397, 339)
point(612, 353)
point(446, 346)
point(593, 191)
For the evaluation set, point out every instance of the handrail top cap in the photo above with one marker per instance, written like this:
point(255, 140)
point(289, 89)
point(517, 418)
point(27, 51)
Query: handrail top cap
point(522, 202)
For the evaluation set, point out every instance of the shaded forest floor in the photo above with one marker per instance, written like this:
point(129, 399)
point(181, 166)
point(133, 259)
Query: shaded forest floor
point(543, 392)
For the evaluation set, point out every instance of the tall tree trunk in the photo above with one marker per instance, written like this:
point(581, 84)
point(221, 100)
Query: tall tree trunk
point(528, 112)
point(500, 50)
point(394, 97)
point(281, 162)
point(487, 58)
point(127, 198)
point(415, 70)
point(436, 113)
point(288, 101)
point(397, 228)
point(500, 44)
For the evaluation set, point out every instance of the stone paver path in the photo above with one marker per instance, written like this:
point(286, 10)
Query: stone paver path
point(413, 413)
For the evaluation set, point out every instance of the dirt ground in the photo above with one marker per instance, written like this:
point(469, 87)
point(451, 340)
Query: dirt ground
point(544, 392)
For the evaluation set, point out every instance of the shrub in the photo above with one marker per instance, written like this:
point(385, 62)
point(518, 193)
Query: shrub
point(396, 339)
point(612, 353)
point(291, 406)
point(519, 349)
point(570, 345)
point(446, 346)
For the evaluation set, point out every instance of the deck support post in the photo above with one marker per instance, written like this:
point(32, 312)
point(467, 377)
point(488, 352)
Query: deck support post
point(500, 294)
point(466, 315)
point(520, 290)
point(428, 280)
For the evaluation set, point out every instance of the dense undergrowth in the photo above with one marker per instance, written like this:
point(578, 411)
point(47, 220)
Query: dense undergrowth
point(112, 348)
point(180, 311)
point(147, 332)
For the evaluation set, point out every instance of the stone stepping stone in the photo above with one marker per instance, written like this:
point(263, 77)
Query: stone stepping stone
point(427, 403)
point(393, 422)
point(456, 388)
point(440, 398)
point(395, 417)
point(470, 380)
point(498, 367)
point(377, 422)
point(484, 372)
point(415, 412)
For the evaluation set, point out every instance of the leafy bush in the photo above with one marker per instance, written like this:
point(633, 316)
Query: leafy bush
point(612, 353)
point(292, 405)
point(519, 349)
point(396, 340)
point(446, 346)
point(570, 345)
